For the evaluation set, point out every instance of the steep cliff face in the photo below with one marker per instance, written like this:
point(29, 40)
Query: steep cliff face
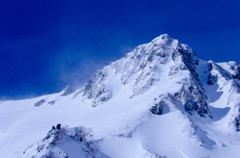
point(144, 68)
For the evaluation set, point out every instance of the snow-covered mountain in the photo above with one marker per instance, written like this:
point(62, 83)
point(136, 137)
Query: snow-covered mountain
point(160, 100)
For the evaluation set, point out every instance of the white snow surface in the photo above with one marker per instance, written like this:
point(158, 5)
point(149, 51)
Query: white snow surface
point(115, 104)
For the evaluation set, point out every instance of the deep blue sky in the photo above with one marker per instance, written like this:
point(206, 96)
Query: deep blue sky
point(46, 44)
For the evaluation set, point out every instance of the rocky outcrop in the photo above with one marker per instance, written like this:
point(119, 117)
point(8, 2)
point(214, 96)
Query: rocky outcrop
point(65, 143)
point(237, 72)
point(237, 123)
point(40, 102)
point(66, 91)
point(96, 90)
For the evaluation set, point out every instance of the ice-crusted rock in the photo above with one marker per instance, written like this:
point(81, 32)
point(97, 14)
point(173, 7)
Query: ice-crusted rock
point(193, 99)
point(216, 71)
point(66, 91)
point(192, 94)
point(96, 90)
point(226, 75)
point(143, 67)
point(237, 72)
point(232, 65)
point(65, 143)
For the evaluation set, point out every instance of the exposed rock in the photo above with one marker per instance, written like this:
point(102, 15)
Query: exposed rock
point(193, 99)
point(160, 107)
point(58, 126)
point(237, 123)
point(211, 79)
point(66, 91)
point(65, 143)
point(143, 67)
point(40, 102)
point(237, 72)
point(96, 90)
point(52, 102)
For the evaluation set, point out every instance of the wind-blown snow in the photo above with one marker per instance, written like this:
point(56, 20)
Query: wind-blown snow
point(159, 100)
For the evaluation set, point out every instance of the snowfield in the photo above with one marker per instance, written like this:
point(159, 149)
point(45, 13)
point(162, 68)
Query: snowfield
point(158, 101)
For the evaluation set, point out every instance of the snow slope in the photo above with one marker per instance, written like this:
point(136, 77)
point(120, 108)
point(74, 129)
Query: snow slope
point(160, 100)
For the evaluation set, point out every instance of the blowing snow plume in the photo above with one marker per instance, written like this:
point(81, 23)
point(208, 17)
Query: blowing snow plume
point(160, 100)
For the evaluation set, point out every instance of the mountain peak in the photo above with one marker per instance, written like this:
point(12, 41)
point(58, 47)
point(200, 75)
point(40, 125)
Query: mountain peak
point(134, 107)
point(148, 66)
point(163, 37)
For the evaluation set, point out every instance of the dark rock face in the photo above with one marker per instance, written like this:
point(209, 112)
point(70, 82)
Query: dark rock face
point(210, 66)
point(190, 106)
point(193, 99)
point(237, 123)
point(237, 74)
point(58, 126)
point(192, 94)
point(157, 109)
point(40, 102)
point(190, 59)
point(211, 79)
point(197, 104)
